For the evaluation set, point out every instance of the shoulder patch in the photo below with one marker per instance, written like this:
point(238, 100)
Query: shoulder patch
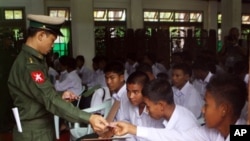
point(38, 76)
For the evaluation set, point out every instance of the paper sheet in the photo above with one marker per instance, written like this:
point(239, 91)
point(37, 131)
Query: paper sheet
point(17, 118)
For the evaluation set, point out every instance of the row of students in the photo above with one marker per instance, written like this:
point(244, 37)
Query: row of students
point(224, 99)
point(173, 122)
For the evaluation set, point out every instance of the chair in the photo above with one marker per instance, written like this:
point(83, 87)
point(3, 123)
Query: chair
point(77, 131)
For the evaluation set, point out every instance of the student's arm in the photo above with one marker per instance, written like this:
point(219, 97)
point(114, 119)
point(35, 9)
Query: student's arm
point(157, 134)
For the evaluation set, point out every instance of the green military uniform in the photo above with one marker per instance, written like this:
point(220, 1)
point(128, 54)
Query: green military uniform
point(36, 98)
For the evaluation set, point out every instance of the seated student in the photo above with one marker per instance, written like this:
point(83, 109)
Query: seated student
point(137, 113)
point(201, 75)
point(184, 92)
point(99, 96)
point(84, 72)
point(131, 63)
point(225, 96)
point(146, 68)
point(115, 80)
point(72, 81)
point(63, 68)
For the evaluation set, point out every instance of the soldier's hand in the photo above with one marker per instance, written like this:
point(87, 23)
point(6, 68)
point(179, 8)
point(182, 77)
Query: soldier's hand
point(69, 96)
point(98, 123)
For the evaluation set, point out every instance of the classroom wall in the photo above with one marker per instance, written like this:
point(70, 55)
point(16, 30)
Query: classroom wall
point(134, 18)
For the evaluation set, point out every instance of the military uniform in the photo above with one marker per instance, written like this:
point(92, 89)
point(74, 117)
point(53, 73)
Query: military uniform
point(36, 98)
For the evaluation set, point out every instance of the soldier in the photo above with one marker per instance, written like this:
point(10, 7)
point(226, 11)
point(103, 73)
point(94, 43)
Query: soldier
point(32, 91)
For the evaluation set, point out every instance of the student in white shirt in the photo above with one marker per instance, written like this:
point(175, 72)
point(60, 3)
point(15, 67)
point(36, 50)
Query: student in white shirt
point(99, 63)
point(137, 113)
point(146, 68)
point(115, 80)
point(224, 99)
point(158, 97)
point(63, 68)
point(184, 92)
point(85, 73)
point(52, 73)
point(201, 75)
point(150, 59)
point(72, 81)
point(131, 63)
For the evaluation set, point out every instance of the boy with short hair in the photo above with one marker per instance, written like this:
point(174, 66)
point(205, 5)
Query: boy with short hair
point(224, 99)
point(184, 92)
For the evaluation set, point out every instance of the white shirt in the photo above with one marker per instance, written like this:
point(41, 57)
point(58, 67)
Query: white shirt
point(155, 70)
point(200, 85)
point(99, 97)
point(52, 74)
point(189, 97)
point(121, 96)
point(144, 120)
point(181, 120)
point(200, 133)
point(72, 82)
point(161, 67)
point(131, 68)
point(86, 75)
point(99, 78)
point(246, 78)
point(63, 75)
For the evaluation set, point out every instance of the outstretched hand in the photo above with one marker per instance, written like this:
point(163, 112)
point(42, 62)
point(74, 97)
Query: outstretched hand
point(122, 128)
point(98, 123)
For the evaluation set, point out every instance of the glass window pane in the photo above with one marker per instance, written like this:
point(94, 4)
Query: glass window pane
point(100, 15)
point(9, 14)
point(116, 15)
point(150, 16)
point(166, 16)
point(195, 17)
point(181, 17)
point(18, 14)
point(245, 19)
point(62, 13)
point(53, 13)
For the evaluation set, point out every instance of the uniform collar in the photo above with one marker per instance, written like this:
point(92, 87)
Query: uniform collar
point(33, 52)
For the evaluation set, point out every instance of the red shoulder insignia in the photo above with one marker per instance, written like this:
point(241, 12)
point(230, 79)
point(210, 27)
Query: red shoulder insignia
point(38, 76)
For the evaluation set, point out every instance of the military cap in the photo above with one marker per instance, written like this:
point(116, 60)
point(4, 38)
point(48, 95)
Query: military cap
point(52, 24)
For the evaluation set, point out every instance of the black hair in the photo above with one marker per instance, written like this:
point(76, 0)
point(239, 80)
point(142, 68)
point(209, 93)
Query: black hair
point(132, 56)
point(80, 58)
point(228, 88)
point(162, 75)
point(158, 90)
point(63, 60)
point(115, 66)
point(71, 63)
point(138, 77)
point(184, 67)
point(144, 67)
point(201, 65)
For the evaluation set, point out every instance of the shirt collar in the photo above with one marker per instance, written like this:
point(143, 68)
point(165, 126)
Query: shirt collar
point(32, 51)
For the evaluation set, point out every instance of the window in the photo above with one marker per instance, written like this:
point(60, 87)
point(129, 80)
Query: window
point(13, 14)
point(60, 12)
point(246, 19)
point(172, 16)
point(109, 14)
point(61, 43)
